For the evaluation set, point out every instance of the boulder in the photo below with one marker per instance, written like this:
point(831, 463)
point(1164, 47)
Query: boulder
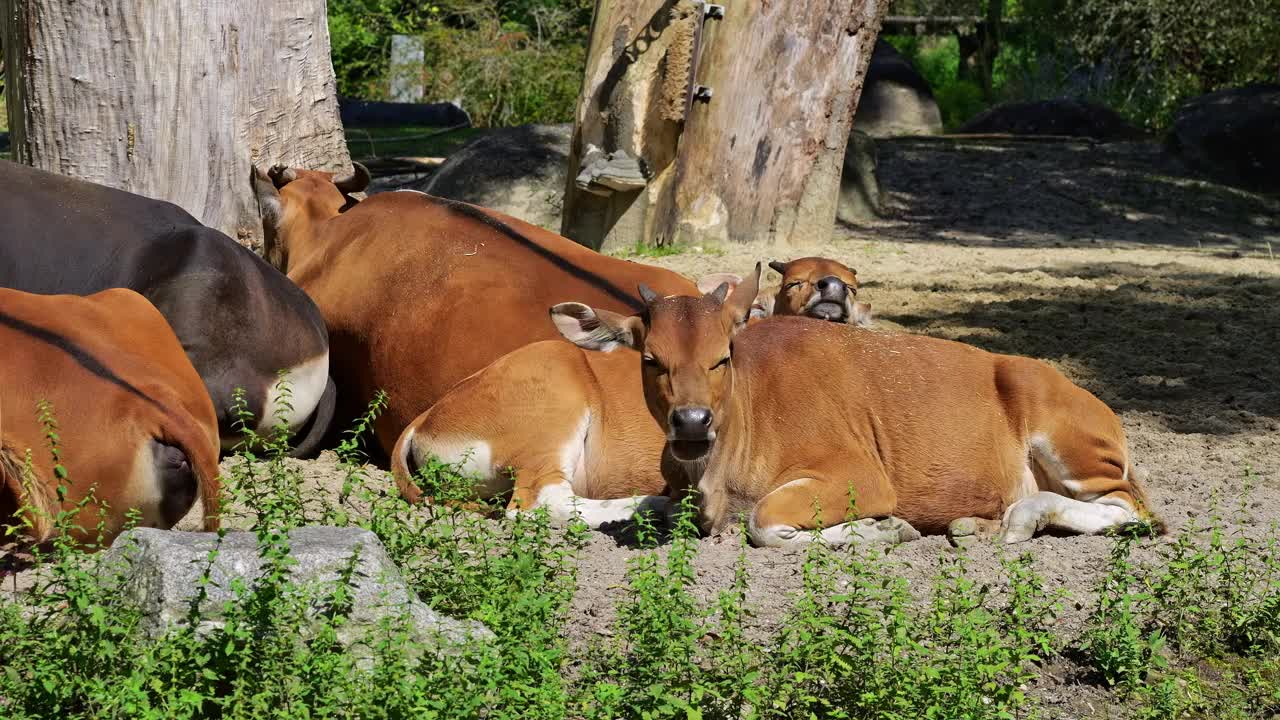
point(519, 171)
point(1232, 135)
point(1060, 116)
point(896, 100)
point(162, 568)
point(859, 186)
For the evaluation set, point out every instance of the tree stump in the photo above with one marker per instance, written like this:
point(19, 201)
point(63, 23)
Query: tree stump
point(756, 154)
point(173, 100)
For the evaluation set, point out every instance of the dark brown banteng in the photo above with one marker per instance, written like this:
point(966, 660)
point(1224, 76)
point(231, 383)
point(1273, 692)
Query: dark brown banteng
point(418, 292)
point(135, 423)
point(240, 321)
point(783, 420)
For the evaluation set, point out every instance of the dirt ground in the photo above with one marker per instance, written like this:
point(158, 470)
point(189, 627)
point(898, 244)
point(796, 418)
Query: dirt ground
point(1155, 291)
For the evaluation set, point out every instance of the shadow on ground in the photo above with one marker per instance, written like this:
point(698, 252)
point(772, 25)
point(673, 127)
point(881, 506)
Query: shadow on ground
point(1199, 350)
point(1061, 194)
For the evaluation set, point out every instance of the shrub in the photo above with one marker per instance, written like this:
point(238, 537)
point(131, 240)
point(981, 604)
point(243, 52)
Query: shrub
point(508, 62)
point(855, 644)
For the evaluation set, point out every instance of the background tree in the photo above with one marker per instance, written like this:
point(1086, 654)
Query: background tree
point(173, 100)
point(1149, 55)
point(507, 62)
point(760, 161)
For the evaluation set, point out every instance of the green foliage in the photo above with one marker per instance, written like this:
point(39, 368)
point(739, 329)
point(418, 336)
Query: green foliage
point(1159, 52)
point(866, 650)
point(504, 77)
point(958, 102)
point(508, 62)
point(1194, 632)
point(937, 60)
point(1140, 57)
point(856, 643)
point(1117, 644)
point(360, 38)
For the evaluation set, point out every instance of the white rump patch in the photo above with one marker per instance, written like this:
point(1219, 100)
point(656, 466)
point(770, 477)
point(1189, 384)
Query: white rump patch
point(473, 459)
point(1060, 478)
point(574, 452)
point(144, 490)
point(306, 385)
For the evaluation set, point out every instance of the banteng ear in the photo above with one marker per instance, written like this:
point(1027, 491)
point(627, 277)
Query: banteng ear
point(594, 329)
point(763, 306)
point(707, 283)
point(647, 295)
point(282, 174)
point(738, 306)
point(862, 314)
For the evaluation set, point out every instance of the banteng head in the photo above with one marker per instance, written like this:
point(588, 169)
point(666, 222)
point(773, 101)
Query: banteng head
point(686, 346)
point(291, 200)
point(819, 288)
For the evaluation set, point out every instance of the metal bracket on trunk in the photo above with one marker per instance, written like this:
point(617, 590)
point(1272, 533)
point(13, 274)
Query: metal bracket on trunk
point(701, 93)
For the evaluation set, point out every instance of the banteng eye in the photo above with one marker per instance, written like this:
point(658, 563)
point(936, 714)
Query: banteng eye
point(724, 361)
point(794, 284)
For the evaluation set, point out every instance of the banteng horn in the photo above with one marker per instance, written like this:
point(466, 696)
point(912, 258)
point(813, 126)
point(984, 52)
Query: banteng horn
point(357, 181)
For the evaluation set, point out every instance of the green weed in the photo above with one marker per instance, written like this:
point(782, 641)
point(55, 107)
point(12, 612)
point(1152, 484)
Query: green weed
point(1188, 633)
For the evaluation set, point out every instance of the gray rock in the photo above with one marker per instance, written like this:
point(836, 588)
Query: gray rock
point(519, 171)
point(161, 570)
point(860, 198)
point(1232, 135)
point(1060, 116)
point(963, 527)
point(896, 100)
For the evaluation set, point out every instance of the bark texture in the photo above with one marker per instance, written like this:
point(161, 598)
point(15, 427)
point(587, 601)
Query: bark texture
point(173, 100)
point(760, 161)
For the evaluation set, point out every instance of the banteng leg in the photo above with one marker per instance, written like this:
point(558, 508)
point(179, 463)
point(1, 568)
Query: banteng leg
point(551, 489)
point(1086, 486)
point(819, 500)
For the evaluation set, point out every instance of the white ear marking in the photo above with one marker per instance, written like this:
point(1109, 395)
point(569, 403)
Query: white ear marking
point(582, 326)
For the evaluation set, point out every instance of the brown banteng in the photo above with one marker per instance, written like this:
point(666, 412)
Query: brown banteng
point(552, 424)
point(817, 287)
point(418, 292)
point(786, 419)
point(135, 423)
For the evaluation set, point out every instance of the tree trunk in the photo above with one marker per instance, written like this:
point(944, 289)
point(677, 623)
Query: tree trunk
point(173, 99)
point(989, 48)
point(760, 160)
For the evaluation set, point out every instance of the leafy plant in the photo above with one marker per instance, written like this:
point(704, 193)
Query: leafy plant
point(856, 643)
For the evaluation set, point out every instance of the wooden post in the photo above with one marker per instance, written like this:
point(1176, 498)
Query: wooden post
point(760, 159)
point(173, 99)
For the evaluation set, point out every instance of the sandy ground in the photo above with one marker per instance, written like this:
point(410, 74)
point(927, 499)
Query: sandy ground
point(1155, 291)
